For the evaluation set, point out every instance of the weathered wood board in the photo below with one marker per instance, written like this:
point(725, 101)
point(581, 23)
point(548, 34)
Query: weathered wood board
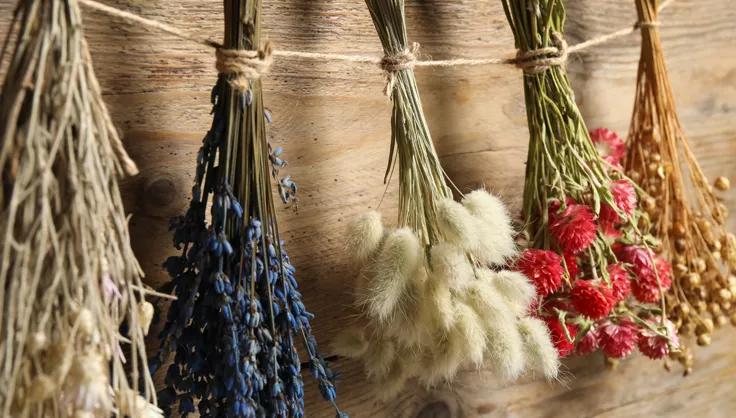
point(333, 122)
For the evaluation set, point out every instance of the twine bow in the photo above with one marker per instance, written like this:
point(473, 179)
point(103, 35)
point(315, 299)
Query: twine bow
point(244, 65)
point(536, 61)
point(403, 60)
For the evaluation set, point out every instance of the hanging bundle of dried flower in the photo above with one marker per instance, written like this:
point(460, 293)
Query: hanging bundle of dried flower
point(72, 312)
point(684, 210)
point(431, 297)
point(239, 314)
point(587, 252)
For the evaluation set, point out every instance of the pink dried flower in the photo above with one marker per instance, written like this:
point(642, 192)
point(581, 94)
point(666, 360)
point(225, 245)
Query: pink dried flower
point(617, 340)
point(609, 145)
point(574, 228)
point(625, 199)
point(620, 282)
point(646, 288)
point(572, 265)
point(588, 343)
point(639, 258)
point(654, 345)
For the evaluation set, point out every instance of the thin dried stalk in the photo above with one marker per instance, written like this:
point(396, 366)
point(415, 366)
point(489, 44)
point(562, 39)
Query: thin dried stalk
point(686, 214)
point(68, 277)
point(421, 178)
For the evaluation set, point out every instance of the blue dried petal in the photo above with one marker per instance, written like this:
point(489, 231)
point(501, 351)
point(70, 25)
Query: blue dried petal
point(186, 405)
point(236, 208)
point(226, 247)
point(278, 151)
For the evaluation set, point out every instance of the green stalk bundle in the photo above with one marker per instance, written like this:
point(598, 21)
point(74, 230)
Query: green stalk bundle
point(421, 178)
point(72, 309)
point(581, 212)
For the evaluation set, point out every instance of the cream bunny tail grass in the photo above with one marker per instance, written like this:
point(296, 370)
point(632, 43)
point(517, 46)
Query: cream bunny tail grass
point(539, 352)
point(486, 300)
point(364, 236)
point(350, 343)
point(505, 349)
point(516, 290)
point(395, 266)
point(451, 264)
point(456, 224)
point(470, 334)
point(379, 357)
point(440, 304)
point(493, 226)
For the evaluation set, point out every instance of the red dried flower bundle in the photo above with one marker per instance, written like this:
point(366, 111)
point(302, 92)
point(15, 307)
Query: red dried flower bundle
point(599, 286)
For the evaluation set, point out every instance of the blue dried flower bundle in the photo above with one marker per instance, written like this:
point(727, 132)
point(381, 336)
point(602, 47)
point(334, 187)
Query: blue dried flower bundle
point(239, 313)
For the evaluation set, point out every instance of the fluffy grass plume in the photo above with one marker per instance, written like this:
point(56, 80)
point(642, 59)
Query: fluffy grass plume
point(451, 264)
point(516, 290)
point(397, 261)
point(493, 227)
point(456, 224)
point(364, 236)
point(505, 349)
point(539, 352)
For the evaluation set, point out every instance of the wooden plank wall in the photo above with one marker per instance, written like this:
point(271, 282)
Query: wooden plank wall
point(333, 121)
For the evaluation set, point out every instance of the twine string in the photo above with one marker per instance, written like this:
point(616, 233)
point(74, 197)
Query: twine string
point(536, 61)
point(243, 65)
point(392, 64)
point(248, 66)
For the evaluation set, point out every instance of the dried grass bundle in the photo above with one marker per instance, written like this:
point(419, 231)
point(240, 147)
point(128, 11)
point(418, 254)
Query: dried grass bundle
point(430, 304)
point(72, 313)
point(686, 214)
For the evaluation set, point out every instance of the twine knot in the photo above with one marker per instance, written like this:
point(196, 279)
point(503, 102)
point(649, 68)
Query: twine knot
point(537, 61)
point(403, 60)
point(244, 65)
point(647, 24)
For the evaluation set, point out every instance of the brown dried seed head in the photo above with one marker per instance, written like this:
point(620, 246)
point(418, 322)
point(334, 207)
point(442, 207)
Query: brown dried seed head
point(693, 279)
point(722, 183)
point(725, 295)
point(679, 229)
point(704, 340)
point(721, 320)
point(680, 245)
point(699, 264)
point(714, 308)
point(733, 319)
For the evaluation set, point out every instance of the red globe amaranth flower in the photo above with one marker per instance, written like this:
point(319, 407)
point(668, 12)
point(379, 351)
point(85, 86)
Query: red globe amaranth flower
point(574, 228)
point(620, 282)
point(563, 345)
point(654, 345)
point(609, 145)
point(617, 340)
point(543, 268)
point(640, 258)
point(591, 300)
point(572, 265)
point(608, 228)
point(647, 288)
point(588, 343)
point(624, 197)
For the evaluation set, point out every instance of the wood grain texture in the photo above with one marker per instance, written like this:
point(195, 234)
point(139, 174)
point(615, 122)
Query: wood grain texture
point(333, 122)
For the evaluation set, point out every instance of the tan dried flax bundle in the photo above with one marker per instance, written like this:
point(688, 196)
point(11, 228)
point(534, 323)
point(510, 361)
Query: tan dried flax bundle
point(72, 311)
point(686, 214)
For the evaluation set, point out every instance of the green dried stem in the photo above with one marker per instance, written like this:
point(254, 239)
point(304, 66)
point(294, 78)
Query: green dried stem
point(421, 178)
point(68, 276)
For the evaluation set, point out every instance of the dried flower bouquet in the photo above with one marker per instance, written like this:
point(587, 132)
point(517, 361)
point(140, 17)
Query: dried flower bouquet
point(431, 293)
point(72, 310)
point(239, 314)
point(685, 212)
point(588, 252)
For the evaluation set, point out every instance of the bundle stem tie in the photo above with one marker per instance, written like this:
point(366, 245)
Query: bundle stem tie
point(244, 65)
point(393, 63)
